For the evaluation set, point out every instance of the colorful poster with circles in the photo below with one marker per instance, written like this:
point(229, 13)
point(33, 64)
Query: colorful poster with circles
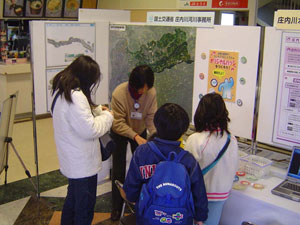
point(222, 73)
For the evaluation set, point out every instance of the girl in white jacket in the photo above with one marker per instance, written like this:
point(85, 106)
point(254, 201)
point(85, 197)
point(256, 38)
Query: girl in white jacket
point(78, 124)
point(211, 123)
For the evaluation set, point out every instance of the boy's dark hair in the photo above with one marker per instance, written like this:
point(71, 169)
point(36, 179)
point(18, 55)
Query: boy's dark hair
point(83, 73)
point(171, 121)
point(140, 76)
point(211, 114)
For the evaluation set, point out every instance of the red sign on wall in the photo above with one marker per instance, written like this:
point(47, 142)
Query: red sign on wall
point(229, 3)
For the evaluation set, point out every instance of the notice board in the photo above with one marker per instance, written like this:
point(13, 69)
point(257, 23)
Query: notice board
point(226, 62)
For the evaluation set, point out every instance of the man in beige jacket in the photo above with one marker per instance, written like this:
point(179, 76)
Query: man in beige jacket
point(134, 105)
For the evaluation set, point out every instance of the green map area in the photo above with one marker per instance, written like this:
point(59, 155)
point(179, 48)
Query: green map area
point(168, 50)
point(165, 53)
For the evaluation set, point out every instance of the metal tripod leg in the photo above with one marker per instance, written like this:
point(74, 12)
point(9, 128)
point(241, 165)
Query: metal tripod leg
point(6, 164)
point(26, 170)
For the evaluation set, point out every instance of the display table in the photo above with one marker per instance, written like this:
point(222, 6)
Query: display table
point(260, 206)
point(17, 77)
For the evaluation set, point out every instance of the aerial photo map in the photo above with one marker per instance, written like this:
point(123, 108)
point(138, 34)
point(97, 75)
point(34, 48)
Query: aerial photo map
point(168, 50)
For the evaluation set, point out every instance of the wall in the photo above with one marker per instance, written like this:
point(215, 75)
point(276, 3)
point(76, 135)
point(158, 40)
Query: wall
point(1, 9)
point(139, 8)
point(17, 78)
point(137, 4)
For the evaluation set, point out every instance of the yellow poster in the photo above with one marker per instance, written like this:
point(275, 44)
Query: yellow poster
point(222, 73)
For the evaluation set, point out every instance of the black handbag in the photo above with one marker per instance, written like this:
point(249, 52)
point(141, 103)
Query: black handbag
point(107, 146)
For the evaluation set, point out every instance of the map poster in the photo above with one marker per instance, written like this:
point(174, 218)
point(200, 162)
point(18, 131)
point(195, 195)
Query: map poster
point(67, 41)
point(222, 73)
point(168, 50)
point(287, 116)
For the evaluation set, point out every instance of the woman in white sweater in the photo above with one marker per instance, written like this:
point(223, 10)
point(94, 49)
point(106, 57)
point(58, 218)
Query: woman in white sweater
point(78, 123)
point(211, 123)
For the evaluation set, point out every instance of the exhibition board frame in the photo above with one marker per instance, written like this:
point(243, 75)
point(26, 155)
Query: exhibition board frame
point(39, 66)
point(253, 120)
point(243, 41)
point(269, 98)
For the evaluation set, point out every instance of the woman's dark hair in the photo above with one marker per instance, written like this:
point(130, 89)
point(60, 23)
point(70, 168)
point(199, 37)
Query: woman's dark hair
point(171, 121)
point(211, 114)
point(83, 73)
point(140, 76)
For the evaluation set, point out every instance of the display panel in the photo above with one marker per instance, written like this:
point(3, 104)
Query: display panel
point(294, 169)
point(168, 50)
point(72, 40)
point(226, 62)
point(287, 116)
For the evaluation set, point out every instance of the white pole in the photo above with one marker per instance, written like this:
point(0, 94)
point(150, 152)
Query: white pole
point(34, 119)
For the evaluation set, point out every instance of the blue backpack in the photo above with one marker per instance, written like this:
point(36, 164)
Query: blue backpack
point(167, 197)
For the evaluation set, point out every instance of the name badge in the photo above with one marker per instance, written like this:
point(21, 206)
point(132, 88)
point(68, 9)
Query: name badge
point(136, 115)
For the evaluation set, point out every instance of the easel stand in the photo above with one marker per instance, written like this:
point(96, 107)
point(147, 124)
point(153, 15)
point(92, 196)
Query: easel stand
point(8, 141)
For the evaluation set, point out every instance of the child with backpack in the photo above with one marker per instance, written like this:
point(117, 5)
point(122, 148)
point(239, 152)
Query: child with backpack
point(216, 151)
point(163, 180)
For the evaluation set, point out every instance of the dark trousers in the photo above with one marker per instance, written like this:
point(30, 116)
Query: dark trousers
point(80, 201)
point(119, 165)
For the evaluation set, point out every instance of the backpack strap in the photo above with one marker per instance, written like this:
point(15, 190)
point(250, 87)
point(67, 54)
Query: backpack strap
point(177, 157)
point(54, 101)
point(221, 153)
point(180, 155)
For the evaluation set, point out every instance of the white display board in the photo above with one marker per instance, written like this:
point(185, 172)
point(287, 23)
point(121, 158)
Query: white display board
point(50, 74)
point(270, 96)
point(66, 41)
point(235, 73)
point(88, 15)
point(287, 116)
point(75, 38)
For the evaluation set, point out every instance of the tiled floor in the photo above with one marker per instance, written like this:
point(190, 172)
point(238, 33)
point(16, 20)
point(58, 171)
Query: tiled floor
point(19, 204)
point(22, 139)
point(46, 209)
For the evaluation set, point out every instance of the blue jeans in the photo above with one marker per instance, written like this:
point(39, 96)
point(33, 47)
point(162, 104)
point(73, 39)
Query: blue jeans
point(214, 212)
point(79, 204)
